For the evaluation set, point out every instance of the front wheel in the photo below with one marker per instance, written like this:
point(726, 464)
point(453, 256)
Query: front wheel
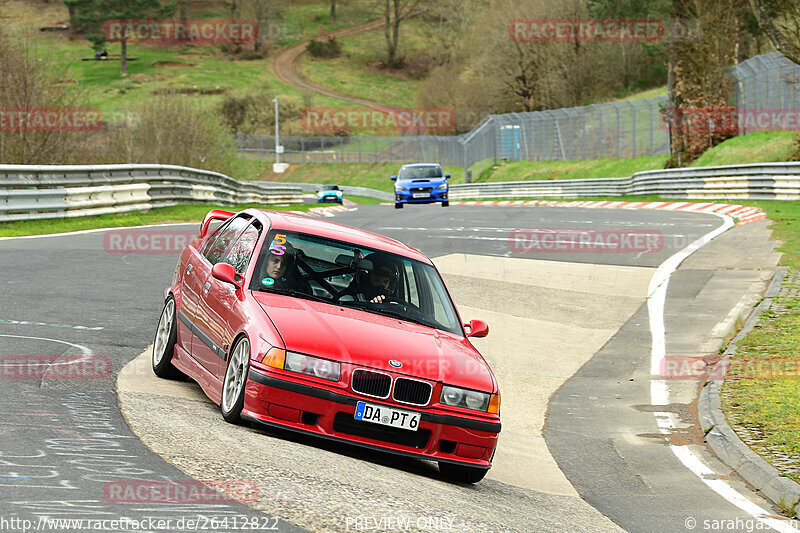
point(461, 474)
point(398, 206)
point(164, 343)
point(234, 382)
point(446, 203)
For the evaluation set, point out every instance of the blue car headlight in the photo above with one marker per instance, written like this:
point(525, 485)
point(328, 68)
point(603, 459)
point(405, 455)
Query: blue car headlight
point(339, 194)
point(400, 189)
point(443, 186)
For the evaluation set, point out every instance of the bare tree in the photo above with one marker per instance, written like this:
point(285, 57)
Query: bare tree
point(780, 20)
point(394, 13)
point(29, 81)
point(447, 21)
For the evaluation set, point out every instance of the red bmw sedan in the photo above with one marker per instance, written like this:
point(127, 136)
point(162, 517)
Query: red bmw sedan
point(290, 321)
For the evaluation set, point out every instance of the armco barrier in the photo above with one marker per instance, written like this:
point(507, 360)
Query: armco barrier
point(34, 192)
point(764, 181)
point(348, 190)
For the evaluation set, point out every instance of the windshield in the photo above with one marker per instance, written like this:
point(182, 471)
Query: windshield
point(330, 188)
point(313, 267)
point(408, 173)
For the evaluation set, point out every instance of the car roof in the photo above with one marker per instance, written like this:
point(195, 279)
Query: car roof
point(422, 165)
point(314, 226)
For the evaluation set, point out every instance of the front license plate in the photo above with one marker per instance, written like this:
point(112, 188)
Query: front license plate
point(421, 195)
point(380, 414)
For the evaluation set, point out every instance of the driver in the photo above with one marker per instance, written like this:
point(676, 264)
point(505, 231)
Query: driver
point(378, 285)
point(281, 271)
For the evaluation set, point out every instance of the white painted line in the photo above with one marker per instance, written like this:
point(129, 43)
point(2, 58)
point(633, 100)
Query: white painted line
point(83, 349)
point(659, 391)
point(98, 230)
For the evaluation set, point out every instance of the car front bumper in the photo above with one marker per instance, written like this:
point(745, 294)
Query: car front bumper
point(408, 197)
point(274, 401)
point(329, 198)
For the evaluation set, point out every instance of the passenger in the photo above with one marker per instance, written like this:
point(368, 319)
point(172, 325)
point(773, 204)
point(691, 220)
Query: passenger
point(378, 285)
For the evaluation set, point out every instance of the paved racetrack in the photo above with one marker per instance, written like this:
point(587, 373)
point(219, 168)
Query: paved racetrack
point(553, 315)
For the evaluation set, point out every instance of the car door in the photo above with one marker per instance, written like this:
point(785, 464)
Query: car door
point(207, 352)
point(220, 303)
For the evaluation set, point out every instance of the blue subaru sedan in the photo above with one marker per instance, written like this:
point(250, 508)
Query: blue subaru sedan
point(420, 183)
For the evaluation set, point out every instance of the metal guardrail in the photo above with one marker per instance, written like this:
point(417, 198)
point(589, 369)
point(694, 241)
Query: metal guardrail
point(347, 190)
point(31, 192)
point(764, 181)
point(35, 192)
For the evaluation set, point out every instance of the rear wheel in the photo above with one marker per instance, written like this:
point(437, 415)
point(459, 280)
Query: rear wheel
point(398, 206)
point(164, 343)
point(234, 382)
point(462, 474)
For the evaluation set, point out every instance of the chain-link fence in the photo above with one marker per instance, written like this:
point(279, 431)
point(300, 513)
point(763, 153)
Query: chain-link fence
point(622, 129)
point(629, 128)
point(767, 93)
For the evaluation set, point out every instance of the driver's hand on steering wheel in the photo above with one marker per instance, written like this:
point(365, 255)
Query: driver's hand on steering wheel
point(379, 299)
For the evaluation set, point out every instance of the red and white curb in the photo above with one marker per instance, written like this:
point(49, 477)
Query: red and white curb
point(742, 213)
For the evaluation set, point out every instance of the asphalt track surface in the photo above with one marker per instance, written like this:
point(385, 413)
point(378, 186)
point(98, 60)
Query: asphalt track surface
point(64, 442)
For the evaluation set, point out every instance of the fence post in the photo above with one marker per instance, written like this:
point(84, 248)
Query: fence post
point(618, 128)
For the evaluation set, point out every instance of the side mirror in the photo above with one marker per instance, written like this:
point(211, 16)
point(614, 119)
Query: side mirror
point(447, 176)
point(477, 328)
point(226, 273)
point(394, 178)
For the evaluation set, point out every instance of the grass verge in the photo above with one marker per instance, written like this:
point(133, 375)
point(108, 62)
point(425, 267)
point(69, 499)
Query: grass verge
point(163, 215)
point(765, 409)
point(371, 175)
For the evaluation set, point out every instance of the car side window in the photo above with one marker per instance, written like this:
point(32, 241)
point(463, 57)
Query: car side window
point(219, 244)
point(411, 284)
point(242, 248)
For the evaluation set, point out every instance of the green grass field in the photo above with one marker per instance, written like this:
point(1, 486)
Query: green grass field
point(373, 176)
point(357, 72)
point(163, 215)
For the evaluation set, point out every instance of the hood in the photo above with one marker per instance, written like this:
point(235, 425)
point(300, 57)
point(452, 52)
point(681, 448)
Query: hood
point(367, 339)
point(421, 182)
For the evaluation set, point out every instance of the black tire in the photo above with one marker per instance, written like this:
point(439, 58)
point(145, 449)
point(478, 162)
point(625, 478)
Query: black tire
point(398, 206)
point(461, 474)
point(164, 343)
point(235, 381)
point(446, 204)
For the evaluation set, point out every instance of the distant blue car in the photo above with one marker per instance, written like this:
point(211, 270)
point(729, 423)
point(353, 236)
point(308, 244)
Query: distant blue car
point(420, 183)
point(329, 193)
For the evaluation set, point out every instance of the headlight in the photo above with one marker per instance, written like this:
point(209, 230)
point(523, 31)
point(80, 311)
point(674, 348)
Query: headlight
point(338, 193)
point(442, 186)
point(312, 366)
point(400, 189)
point(470, 399)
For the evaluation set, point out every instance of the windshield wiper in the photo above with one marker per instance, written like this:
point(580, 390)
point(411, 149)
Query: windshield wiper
point(388, 312)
